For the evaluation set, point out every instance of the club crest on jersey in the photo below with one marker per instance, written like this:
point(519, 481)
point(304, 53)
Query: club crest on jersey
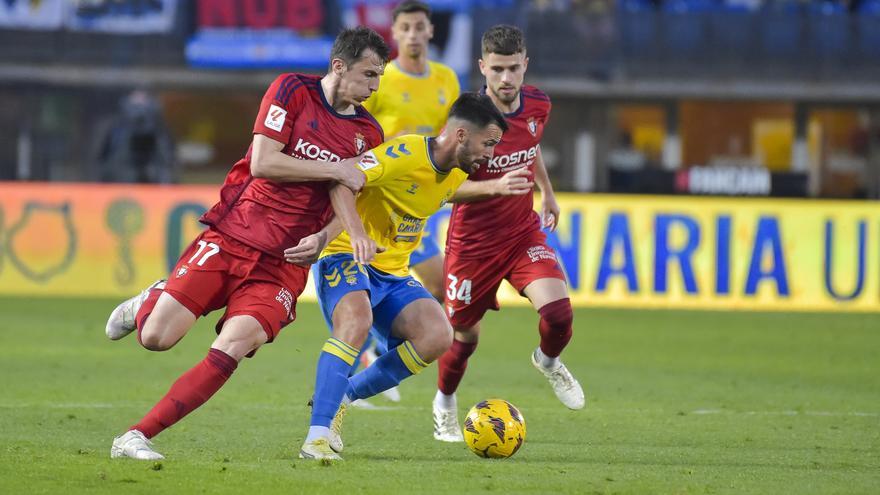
point(359, 143)
point(182, 271)
point(533, 126)
point(275, 118)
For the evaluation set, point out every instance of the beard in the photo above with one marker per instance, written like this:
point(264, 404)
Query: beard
point(506, 98)
point(465, 162)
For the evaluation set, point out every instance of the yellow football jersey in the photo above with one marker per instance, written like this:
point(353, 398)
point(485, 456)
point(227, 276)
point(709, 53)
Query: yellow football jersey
point(402, 190)
point(413, 104)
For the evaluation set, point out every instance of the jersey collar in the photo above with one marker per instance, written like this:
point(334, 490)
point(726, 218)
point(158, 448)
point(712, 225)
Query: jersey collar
point(423, 75)
point(329, 107)
point(428, 142)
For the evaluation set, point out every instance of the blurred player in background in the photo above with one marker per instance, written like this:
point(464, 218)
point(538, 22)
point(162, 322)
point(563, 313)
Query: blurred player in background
point(500, 238)
point(407, 180)
point(414, 97)
point(272, 199)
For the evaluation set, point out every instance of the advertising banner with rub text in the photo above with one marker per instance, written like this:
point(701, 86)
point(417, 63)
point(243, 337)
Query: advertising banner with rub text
point(617, 251)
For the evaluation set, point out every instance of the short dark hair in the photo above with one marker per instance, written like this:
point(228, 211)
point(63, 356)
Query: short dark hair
point(503, 39)
point(351, 43)
point(477, 109)
point(410, 6)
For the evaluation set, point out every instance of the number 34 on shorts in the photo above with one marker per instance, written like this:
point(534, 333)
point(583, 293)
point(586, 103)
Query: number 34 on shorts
point(458, 290)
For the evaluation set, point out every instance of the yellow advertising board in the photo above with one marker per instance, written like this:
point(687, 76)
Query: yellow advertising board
point(618, 251)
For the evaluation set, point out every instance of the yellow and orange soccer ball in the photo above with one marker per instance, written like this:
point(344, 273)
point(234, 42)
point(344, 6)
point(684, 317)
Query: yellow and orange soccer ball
point(494, 428)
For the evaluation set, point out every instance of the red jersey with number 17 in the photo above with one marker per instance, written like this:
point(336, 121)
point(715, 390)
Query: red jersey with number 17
point(486, 226)
point(272, 216)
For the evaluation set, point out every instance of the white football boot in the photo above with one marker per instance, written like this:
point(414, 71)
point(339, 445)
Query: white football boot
point(446, 427)
point(368, 357)
point(135, 445)
point(318, 449)
point(335, 438)
point(122, 319)
point(567, 389)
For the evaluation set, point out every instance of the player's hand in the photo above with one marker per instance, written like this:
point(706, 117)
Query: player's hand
point(349, 175)
point(514, 183)
point(306, 252)
point(364, 249)
point(549, 211)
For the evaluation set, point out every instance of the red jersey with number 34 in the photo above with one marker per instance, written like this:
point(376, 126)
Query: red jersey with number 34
point(485, 226)
point(272, 216)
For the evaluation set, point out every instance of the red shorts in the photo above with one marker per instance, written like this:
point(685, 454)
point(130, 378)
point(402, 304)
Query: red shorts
point(472, 283)
point(217, 271)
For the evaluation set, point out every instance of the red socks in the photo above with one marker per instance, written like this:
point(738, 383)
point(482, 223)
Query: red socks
point(189, 392)
point(145, 310)
point(452, 365)
point(555, 326)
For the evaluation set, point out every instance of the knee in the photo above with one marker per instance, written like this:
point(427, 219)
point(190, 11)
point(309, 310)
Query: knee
point(353, 331)
point(240, 342)
point(438, 342)
point(558, 314)
point(154, 340)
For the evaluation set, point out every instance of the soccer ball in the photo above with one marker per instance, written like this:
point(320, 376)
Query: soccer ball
point(494, 428)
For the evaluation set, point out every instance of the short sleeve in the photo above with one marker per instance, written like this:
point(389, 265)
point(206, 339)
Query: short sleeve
point(381, 166)
point(459, 176)
point(279, 108)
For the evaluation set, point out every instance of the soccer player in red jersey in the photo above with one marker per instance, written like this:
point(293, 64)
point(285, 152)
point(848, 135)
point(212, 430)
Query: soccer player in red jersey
point(273, 198)
point(500, 238)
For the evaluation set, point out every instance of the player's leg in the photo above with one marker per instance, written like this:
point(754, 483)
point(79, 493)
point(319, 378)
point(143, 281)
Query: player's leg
point(450, 370)
point(255, 314)
point(411, 325)
point(421, 333)
point(343, 292)
point(538, 275)
point(161, 321)
point(239, 336)
point(470, 293)
point(163, 312)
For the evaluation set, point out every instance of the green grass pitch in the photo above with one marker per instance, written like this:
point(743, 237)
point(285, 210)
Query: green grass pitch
point(677, 402)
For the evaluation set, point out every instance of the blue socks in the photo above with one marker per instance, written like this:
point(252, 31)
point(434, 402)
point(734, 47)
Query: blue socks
point(331, 379)
point(389, 370)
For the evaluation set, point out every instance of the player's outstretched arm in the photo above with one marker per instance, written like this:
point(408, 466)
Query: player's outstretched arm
point(309, 248)
point(363, 248)
point(268, 162)
point(549, 207)
point(513, 183)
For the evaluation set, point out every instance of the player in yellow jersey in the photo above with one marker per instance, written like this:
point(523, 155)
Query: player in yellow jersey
point(414, 97)
point(408, 179)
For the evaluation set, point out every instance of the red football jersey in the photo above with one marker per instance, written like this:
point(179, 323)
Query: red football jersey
point(272, 216)
point(485, 225)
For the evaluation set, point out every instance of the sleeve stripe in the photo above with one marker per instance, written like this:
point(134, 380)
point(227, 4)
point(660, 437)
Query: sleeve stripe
point(284, 84)
point(285, 97)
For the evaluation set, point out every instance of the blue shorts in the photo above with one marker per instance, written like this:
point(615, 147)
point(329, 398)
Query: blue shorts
point(337, 275)
point(426, 249)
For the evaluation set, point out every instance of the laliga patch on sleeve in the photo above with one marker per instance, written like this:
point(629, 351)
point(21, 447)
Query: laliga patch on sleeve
point(275, 118)
point(368, 161)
